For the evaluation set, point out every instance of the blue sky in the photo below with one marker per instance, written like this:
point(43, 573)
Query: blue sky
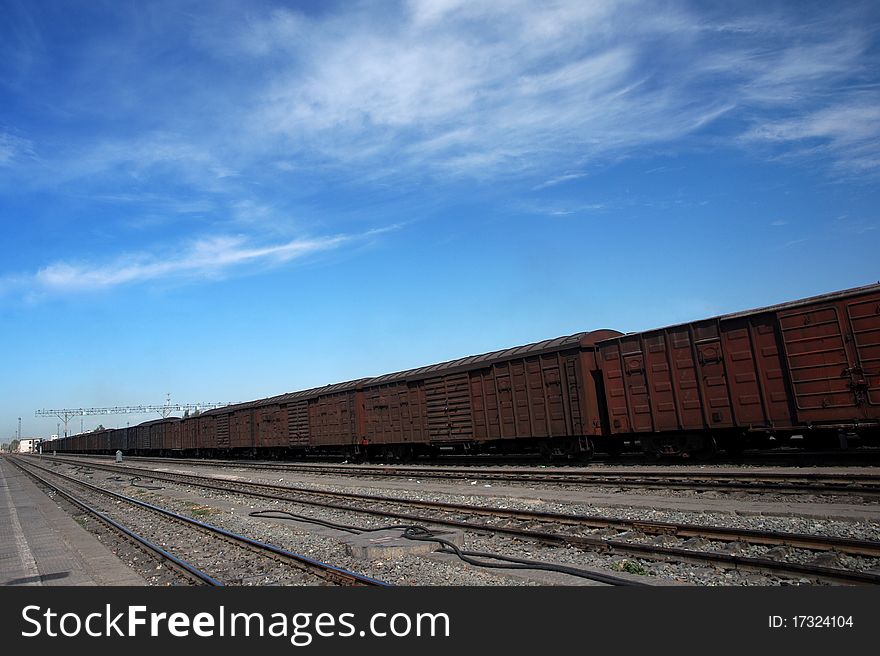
point(230, 200)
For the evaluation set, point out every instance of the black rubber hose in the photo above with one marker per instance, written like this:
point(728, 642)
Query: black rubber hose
point(131, 481)
point(283, 514)
point(420, 533)
point(423, 534)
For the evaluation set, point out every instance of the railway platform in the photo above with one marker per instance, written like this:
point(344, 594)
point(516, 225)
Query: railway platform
point(40, 544)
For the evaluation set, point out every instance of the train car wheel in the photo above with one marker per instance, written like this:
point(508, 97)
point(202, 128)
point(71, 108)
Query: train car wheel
point(707, 451)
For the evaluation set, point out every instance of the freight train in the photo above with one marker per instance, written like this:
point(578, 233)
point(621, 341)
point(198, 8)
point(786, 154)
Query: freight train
point(807, 369)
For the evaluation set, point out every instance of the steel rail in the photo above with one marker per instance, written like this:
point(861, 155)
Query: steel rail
point(856, 483)
point(187, 569)
point(795, 540)
point(324, 570)
point(851, 546)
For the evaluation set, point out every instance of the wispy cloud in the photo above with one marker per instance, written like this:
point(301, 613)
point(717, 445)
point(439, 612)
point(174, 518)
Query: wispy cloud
point(203, 259)
point(846, 133)
point(438, 89)
point(794, 242)
point(151, 156)
point(444, 93)
point(558, 180)
point(13, 147)
point(420, 90)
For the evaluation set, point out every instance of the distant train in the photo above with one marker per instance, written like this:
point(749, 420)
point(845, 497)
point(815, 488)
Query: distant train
point(808, 368)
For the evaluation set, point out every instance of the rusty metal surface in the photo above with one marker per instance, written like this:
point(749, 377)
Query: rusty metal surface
point(535, 396)
point(516, 392)
point(175, 431)
point(189, 434)
point(270, 429)
point(486, 359)
point(780, 307)
point(448, 408)
point(332, 420)
point(396, 413)
point(790, 366)
point(221, 426)
point(297, 423)
point(241, 429)
point(806, 363)
point(527, 391)
point(205, 430)
point(833, 353)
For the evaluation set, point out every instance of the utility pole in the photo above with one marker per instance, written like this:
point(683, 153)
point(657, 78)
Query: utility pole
point(19, 429)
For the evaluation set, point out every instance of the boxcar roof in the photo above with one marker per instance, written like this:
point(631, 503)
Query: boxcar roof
point(289, 396)
point(822, 298)
point(476, 361)
point(460, 364)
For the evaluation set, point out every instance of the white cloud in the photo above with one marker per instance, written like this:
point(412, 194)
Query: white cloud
point(206, 258)
point(793, 73)
point(847, 132)
point(483, 89)
point(493, 88)
point(552, 182)
point(12, 147)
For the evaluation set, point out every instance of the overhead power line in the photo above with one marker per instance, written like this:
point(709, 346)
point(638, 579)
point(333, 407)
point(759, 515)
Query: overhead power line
point(66, 414)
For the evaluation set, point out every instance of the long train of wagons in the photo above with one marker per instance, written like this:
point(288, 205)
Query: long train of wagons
point(809, 367)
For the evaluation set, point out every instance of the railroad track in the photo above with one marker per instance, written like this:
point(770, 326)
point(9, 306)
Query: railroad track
point(253, 549)
point(560, 529)
point(825, 483)
point(184, 569)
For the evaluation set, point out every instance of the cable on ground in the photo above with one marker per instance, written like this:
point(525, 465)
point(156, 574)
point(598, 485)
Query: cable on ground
point(420, 533)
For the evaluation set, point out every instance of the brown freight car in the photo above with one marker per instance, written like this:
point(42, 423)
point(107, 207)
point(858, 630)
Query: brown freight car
point(809, 367)
point(149, 437)
point(117, 439)
point(189, 429)
point(175, 436)
point(270, 426)
point(335, 422)
point(322, 419)
point(541, 396)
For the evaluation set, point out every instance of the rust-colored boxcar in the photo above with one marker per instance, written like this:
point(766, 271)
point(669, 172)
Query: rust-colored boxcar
point(158, 432)
point(221, 430)
point(103, 445)
point(117, 440)
point(809, 365)
point(130, 438)
point(395, 412)
point(295, 409)
point(539, 395)
point(142, 438)
point(273, 425)
point(206, 431)
point(270, 425)
point(175, 435)
point(241, 427)
point(150, 435)
point(334, 417)
point(189, 428)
